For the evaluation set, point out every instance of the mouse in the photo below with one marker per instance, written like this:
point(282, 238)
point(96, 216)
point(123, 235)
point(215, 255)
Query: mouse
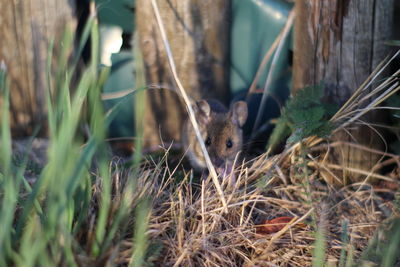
point(221, 130)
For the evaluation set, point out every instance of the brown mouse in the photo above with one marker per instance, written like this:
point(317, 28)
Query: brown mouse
point(221, 130)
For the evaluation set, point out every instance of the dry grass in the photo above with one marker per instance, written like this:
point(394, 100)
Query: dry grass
point(188, 103)
point(188, 224)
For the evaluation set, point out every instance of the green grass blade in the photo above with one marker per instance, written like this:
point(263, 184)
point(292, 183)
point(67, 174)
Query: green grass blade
point(345, 241)
point(391, 253)
point(82, 165)
point(51, 119)
point(120, 219)
point(140, 101)
point(5, 148)
point(140, 240)
point(82, 42)
point(104, 209)
point(319, 250)
point(82, 199)
point(8, 187)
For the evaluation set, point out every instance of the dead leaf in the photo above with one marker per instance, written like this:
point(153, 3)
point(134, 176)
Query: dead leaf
point(273, 226)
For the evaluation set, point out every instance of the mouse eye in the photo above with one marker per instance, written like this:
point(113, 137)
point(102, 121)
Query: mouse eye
point(229, 143)
point(208, 141)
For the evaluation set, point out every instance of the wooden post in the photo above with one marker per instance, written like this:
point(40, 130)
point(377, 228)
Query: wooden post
point(26, 28)
point(198, 32)
point(340, 42)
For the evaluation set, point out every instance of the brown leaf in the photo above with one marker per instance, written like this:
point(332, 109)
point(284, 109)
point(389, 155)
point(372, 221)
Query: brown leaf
point(273, 226)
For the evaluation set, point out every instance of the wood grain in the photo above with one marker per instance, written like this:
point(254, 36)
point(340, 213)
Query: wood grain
point(339, 43)
point(26, 27)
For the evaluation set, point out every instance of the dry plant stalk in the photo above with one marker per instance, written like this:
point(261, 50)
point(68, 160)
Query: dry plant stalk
point(268, 81)
point(352, 110)
point(188, 105)
point(267, 56)
point(187, 222)
point(187, 217)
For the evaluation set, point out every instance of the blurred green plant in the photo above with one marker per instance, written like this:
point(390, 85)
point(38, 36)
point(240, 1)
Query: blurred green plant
point(393, 43)
point(383, 249)
point(42, 224)
point(319, 249)
point(304, 115)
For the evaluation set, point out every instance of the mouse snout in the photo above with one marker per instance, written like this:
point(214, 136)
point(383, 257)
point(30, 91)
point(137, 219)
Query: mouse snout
point(217, 161)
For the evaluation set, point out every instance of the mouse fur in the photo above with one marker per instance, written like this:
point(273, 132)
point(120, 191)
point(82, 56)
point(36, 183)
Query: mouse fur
point(221, 130)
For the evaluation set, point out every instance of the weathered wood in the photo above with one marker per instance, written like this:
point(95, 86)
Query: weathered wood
point(26, 27)
point(198, 32)
point(340, 42)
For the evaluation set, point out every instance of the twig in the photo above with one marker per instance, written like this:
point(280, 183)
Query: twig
point(361, 147)
point(378, 70)
point(389, 92)
point(268, 82)
point(264, 62)
point(188, 105)
point(354, 170)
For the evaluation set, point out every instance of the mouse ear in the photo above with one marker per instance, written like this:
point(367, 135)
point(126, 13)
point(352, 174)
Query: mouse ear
point(203, 111)
point(238, 113)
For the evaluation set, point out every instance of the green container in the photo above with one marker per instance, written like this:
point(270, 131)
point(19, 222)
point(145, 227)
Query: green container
point(117, 12)
point(256, 25)
point(121, 79)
